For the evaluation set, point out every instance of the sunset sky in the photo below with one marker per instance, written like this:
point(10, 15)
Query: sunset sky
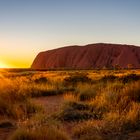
point(30, 26)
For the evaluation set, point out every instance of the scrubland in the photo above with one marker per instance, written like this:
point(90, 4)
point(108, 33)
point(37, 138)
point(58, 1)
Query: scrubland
point(97, 104)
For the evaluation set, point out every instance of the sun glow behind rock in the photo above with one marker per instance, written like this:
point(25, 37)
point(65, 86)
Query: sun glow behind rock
point(4, 65)
point(14, 63)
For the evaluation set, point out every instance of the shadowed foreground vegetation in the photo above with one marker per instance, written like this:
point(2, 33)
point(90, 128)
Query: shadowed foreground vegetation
point(98, 104)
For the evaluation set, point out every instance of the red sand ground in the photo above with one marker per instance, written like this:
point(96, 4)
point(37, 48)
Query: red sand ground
point(52, 104)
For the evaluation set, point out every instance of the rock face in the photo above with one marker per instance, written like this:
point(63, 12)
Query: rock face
point(90, 56)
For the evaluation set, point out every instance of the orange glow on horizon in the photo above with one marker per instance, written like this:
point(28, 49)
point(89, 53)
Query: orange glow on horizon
point(15, 64)
point(4, 65)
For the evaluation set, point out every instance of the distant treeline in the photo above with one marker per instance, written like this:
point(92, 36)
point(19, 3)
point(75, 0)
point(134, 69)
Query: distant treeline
point(60, 69)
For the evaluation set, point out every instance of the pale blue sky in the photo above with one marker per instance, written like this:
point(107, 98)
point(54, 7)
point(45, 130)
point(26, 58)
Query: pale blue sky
point(30, 26)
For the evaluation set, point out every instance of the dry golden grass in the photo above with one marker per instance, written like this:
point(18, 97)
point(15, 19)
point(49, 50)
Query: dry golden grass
point(105, 106)
point(43, 133)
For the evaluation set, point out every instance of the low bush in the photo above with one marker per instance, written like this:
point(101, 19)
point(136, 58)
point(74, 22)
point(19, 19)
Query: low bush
point(15, 107)
point(43, 133)
point(79, 78)
point(110, 78)
point(88, 130)
point(41, 80)
point(132, 91)
point(6, 124)
point(76, 111)
point(116, 122)
point(86, 92)
point(129, 78)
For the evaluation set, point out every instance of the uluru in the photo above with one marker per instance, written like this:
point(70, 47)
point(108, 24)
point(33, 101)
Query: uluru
point(91, 56)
